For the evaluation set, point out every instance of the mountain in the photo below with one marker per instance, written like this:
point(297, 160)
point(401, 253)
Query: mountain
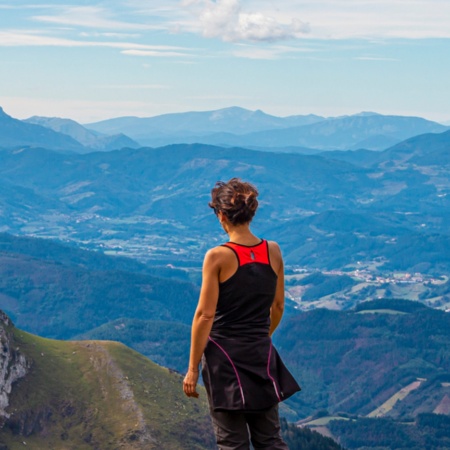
point(237, 127)
point(190, 127)
point(102, 395)
point(15, 133)
point(387, 348)
point(354, 361)
point(166, 343)
point(373, 132)
point(61, 292)
point(88, 291)
point(377, 377)
point(424, 151)
point(151, 204)
point(93, 395)
point(89, 139)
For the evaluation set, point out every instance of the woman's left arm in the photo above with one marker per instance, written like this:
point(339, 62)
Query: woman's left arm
point(277, 309)
point(203, 319)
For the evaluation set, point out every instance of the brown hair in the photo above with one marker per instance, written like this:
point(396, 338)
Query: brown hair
point(236, 199)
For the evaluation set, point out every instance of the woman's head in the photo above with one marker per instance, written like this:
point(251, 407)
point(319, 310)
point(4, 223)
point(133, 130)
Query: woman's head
point(235, 199)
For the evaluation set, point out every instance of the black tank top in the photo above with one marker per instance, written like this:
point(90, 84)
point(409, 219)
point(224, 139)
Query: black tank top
point(245, 299)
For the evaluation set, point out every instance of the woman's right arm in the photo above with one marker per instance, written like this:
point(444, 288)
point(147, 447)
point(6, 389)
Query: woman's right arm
point(203, 318)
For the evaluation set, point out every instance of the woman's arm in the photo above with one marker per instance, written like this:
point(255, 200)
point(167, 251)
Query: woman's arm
point(203, 319)
point(277, 309)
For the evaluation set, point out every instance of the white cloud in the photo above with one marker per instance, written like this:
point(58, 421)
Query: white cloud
point(374, 58)
point(134, 86)
point(89, 17)
point(269, 52)
point(158, 53)
point(265, 20)
point(14, 38)
point(225, 19)
point(367, 19)
point(96, 34)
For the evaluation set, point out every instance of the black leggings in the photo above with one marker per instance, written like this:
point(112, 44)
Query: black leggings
point(234, 430)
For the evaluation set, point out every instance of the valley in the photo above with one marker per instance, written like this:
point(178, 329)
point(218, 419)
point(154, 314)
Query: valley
point(102, 246)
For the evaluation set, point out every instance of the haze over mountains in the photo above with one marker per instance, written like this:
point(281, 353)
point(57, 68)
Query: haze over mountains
point(56, 134)
point(89, 139)
point(238, 127)
point(229, 127)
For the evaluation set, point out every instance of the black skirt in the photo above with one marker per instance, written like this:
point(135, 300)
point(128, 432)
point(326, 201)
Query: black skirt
point(245, 374)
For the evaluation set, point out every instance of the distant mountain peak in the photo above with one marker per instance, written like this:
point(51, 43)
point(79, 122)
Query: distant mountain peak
point(366, 114)
point(2, 113)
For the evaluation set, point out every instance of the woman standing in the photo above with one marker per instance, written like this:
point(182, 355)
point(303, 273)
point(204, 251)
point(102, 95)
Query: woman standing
point(241, 304)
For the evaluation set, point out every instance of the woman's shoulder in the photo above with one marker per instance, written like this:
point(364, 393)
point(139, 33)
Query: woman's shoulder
point(217, 258)
point(276, 258)
point(217, 253)
point(273, 246)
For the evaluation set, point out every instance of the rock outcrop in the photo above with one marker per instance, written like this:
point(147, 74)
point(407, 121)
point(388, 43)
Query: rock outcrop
point(13, 365)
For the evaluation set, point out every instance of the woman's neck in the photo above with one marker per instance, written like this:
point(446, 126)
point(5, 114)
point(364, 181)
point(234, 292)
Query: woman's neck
point(241, 234)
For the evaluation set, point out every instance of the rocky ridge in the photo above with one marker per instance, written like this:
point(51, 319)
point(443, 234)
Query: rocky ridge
point(13, 366)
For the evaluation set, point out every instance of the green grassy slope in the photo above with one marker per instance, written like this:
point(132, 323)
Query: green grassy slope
point(166, 343)
point(351, 362)
point(63, 299)
point(100, 395)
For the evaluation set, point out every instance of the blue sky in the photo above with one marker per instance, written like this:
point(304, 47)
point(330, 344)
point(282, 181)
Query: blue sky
point(95, 60)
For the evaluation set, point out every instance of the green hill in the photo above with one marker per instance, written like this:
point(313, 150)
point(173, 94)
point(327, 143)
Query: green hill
point(152, 203)
point(98, 395)
point(77, 395)
point(166, 343)
point(354, 361)
point(59, 292)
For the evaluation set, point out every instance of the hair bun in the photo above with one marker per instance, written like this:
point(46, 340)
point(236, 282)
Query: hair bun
point(236, 199)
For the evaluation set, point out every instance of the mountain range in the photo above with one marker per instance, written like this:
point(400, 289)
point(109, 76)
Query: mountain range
point(331, 210)
point(89, 139)
point(378, 364)
point(237, 127)
point(228, 127)
point(57, 134)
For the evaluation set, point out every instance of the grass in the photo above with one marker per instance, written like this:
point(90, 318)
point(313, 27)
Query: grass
point(397, 397)
point(322, 421)
point(380, 311)
point(100, 395)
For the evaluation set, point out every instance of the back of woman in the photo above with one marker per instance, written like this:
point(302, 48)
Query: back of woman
point(245, 298)
point(241, 303)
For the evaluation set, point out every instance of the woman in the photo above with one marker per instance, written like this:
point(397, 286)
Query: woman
point(241, 304)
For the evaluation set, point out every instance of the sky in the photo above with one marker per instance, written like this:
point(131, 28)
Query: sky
point(94, 60)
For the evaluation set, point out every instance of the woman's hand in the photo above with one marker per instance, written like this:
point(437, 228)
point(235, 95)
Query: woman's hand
point(190, 383)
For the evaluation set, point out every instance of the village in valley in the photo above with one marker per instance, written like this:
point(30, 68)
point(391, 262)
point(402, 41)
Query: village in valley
point(325, 288)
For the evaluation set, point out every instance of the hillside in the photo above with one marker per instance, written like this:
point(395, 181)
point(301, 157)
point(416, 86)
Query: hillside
point(382, 353)
point(102, 395)
point(98, 395)
point(89, 139)
point(145, 204)
point(166, 343)
point(354, 361)
point(369, 131)
point(15, 133)
point(60, 292)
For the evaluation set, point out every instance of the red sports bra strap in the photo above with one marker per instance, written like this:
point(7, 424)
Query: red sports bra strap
point(249, 254)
